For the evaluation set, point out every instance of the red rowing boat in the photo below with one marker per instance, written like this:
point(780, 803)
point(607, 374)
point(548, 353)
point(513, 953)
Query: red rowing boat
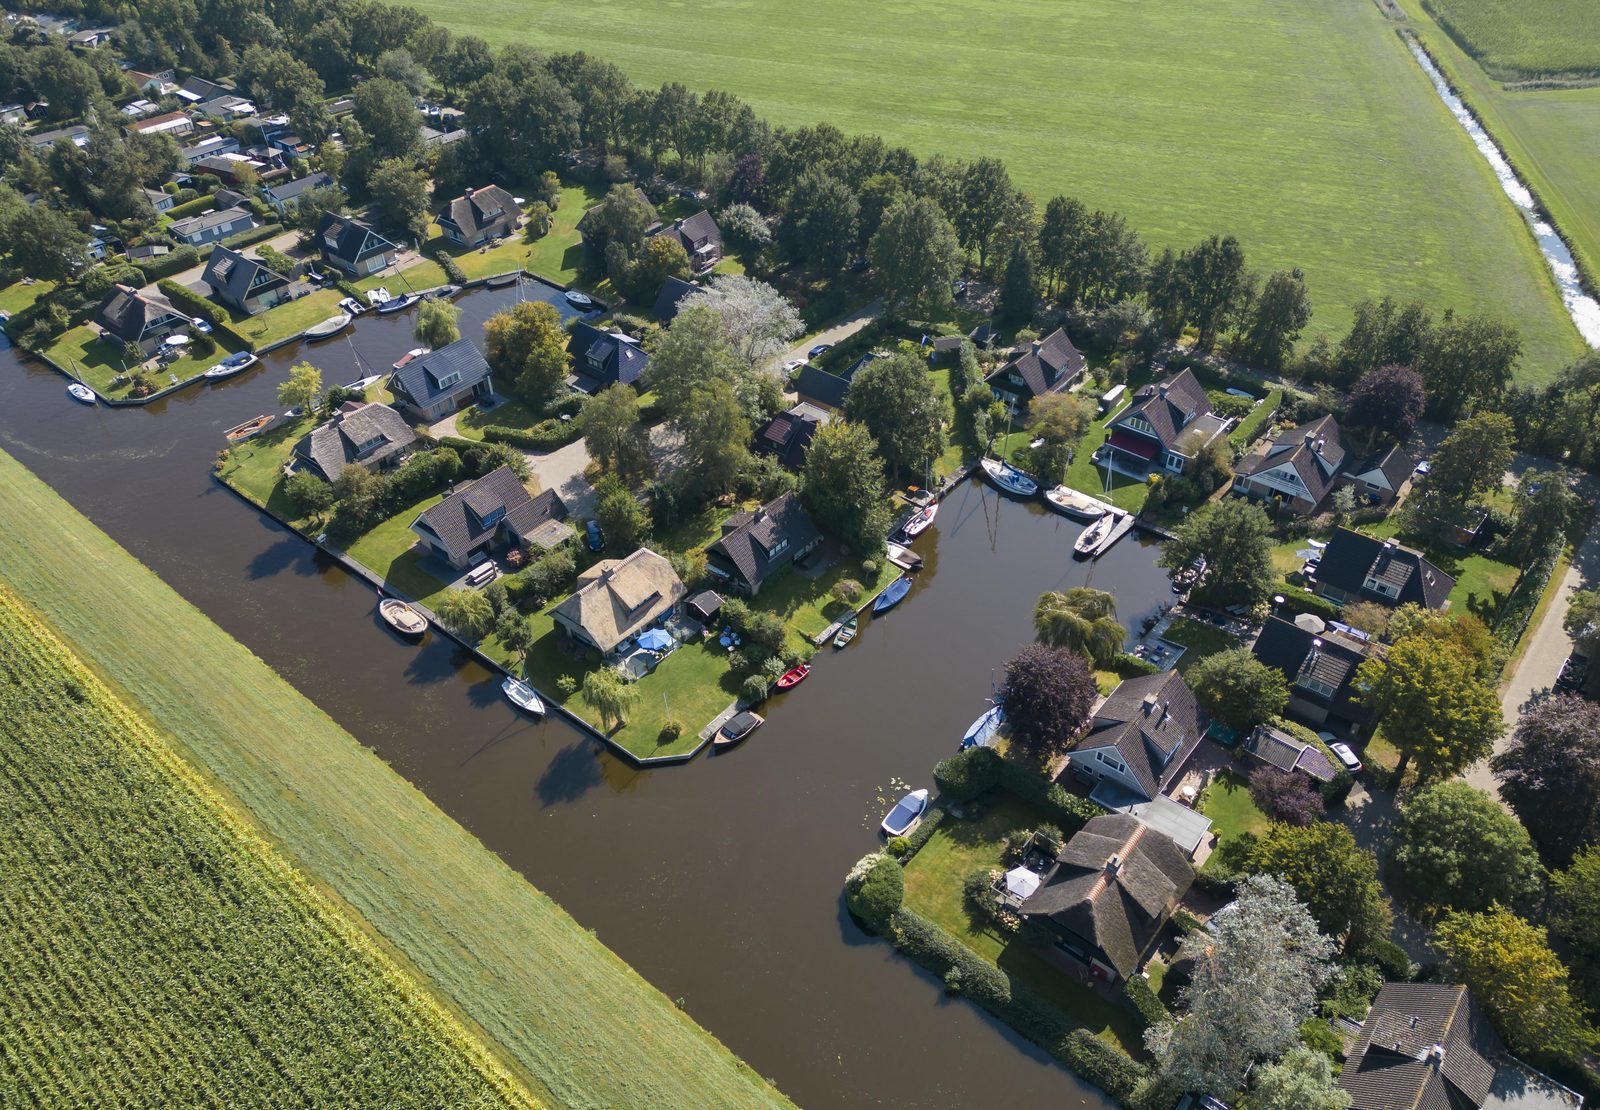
point(794, 676)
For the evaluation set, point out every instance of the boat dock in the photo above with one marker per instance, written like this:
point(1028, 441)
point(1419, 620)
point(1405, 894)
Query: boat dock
point(1121, 527)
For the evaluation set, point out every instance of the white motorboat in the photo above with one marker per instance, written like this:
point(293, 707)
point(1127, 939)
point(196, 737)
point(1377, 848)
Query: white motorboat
point(920, 520)
point(233, 364)
point(329, 328)
point(521, 695)
point(906, 815)
point(402, 617)
point(80, 392)
point(579, 300)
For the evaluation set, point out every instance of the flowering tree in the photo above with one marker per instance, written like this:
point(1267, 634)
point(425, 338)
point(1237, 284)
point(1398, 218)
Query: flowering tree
point(1286, 796)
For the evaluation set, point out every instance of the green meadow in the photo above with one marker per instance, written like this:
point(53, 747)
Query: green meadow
point(1526, 38)
point(1302, 126)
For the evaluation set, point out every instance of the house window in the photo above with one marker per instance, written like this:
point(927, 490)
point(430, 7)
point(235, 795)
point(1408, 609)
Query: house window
point(449, 380)
point(370, 445)
point(1174, 462)
point(778, 548)
point(595, 361)
point(1316, 686)
point(1378, 587)
point(493, 517)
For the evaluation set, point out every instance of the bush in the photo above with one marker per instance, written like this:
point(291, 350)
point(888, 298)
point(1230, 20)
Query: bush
point(566, 686)
point(547, 435)
point(669, 732)
point(308, 493)
point(874, 890)
point(1136, 989)
point(847, 591)
point(966, 775)
point(978, 888)
point(1131, 666)
point(173, 262)
point(548, 578)
point(455, 273)
point(1185, 922)
point(195, 207)
point(931, 817)
point(187, 301)
point(1296, 601)
point(754, 689)
point(1390, 958)
point(1104, 1065)
point(253, 235)
point(899, 846)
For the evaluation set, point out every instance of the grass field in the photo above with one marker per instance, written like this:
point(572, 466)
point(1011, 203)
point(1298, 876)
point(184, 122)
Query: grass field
point(1526, 38)
point(574, 1020)
point(169, 953)
point(99, 364)
point(1302, 126)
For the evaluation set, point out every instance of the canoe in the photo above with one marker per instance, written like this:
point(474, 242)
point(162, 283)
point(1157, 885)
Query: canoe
point(892, 595)
point(794, 676)
point(983, 729)
point(919, 521)
point(80, 392)
point(1009, 479)
point(906, 815)
point(737, 727)
point(1092, 536)
point(330, 327)
point(398, 304)
point(233, 364)
point(521, 695)
point(1079, 506)
point(405, 360)
point(402, 618)
point(579, 300)
point(847, 632)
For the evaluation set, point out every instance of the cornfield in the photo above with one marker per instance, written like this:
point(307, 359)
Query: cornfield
point(156, 951)
point(1525, 38)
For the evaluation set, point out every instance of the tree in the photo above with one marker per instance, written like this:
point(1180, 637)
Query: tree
point(758, 322)
point(690, 355)
point(916, 257)
point(1576, 919)
point(436, 323)
point(874, 889)
point(1236, 539)
point(44, 243)
point(1047, 695)
point(1018, 294)
point(1548, 510)
point(1083, 620)
point(399, 196)
point(303, 390)
point(467, 613)
point(1335, 878)
point(1582, 621)
point(1302, 1080)
point(819, 230)
point(1470, 462)
point(1550, 775)
point(308, 493)
point(659, 257)
point(399, 66)
point(1214, 281)
point(526, 346)
point(606, 693)
point(1455, 848)
point(1387, 399)
point(611, 428)
point(623, 520)
point(1276, 320)
point(988, 203)
point(1468, 361)
point(1166, 289)
point(716, 438)
point(1507, 965)
point(387, 112)
point(1257, 971)
point(1434, 704)
point(1238, 688)
point(1383, 333)
point(843, 485)
point(515, 633)
point(1286, 796)
point(521, 116)
point(895, 399)
point(1059, 231)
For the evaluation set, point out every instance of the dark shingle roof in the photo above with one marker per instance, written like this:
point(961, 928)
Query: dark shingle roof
point(419, 380)
point(287, 191)
point(349, 238)
point(674, 291)
point(477, 210)
point(1422, 1045)
point(1044, 365)
point(602, 358)
point(223, 217)
point(1288, 754)
point(1316, 451)
point(1352, 557)
point(1394, 464)
point(127, 313)
point(816, 384)
point(1154, 723)
point(1169, 406)
point(458, 520)
point(698, 228)
point(749, 538)
point(233, 277)
point(332, 445)
point(788, 434)
point(1295, 652)
point(1114, 885)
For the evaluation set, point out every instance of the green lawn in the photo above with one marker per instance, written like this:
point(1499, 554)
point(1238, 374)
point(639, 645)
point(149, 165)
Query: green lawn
point(934, 879)
point(1526, 38)
point(805, 604)
point(574, 1019)
point(18, 296)
point(507, 414)
point(1200, 639)
point(1159, 110)
point(1232, 811)
point(1083, 475)
point(1482, 583)
point(255, 466)
point(290, 318)
point(99, 363)
point(391, 550)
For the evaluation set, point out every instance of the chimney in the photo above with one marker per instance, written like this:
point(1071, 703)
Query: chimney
point(1113, 866)
point(451, 489)
point(469, 192)
point(1311, 439)
point(1161, 390)
point(1150, 702)
point(1436, 1055)
point(1036, 345)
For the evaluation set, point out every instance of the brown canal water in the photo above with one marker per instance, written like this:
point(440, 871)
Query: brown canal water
point(720, 880)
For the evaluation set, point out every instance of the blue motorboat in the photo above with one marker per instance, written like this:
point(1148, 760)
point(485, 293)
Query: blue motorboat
point(892, 595)
point(983, 730)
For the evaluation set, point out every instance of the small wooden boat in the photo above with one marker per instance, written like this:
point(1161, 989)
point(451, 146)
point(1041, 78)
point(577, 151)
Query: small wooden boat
point(1079, 506)
point(906, 815)
point(352, 306)
point(80, 392)
point(794, 676)
point(521, 695)
point(892, 595)
point(579, 300)
point(329, 328)
point(500, 281)
point(405, 360)
point(983, 729)
point(233, 364)
point(739, 726)
point(1092, 536)
point(919, 521)
point(401, 617)
point(398, 304)
point(1009, 479)
point(249, 428)
point(847, 632)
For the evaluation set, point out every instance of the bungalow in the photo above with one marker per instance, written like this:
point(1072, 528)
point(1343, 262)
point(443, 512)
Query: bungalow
point(440, 382)
point(231, 168)
point(788, 434)
point(88, 40)
point(13, 113)
point(479, 215)
point(141, 318)
point(758, 543)
point(159, 83)
point(210, 227)
point(700, 238)
point(282, 194)
point(617, 598)
point(176, 124)
point(1300, 467)
point(226, 106)
point(353, 246)
point(365, 434)
point(1358, 567)
point(243, 283)
point(1379, 476)
point(196, 90)
point(1273, 747)
point(209, 147)
point(146, 251)
point(821, 389)
point(433, 138)
point(479, 515)
point(1167, 426)
point(140, 109)
point(1046, 365)
point(1320, 668)
point(1139, 737)
point(1428, 1045)
point(947, 349)
point(674, 291)
point(603, 358)
point(1108, 894)
point(77, 135)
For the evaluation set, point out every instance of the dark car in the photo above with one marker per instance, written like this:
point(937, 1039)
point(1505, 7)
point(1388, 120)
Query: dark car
point(595, 539)
point(819, 350)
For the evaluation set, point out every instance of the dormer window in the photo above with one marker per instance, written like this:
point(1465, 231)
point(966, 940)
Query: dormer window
point(493, 516)
point(1378, 586)
point(372, 444)
point(331, 241)
point(778, 548)
point(449, 380)
point(596, 360)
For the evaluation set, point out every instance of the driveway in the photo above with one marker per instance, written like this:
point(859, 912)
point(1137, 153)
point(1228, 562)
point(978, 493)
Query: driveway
point(834, 333)
point(1369, 813)
point(563, 470)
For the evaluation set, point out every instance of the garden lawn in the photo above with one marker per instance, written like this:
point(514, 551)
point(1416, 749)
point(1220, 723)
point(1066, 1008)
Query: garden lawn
point(1232, 811)
point(471, 422)
point(1482, 583)
point(290, 318)
point(1084, 476)
point(1156, 109)
point(390, 550)
point(18, 296)
point(99, 363)
point(806, 604)
point(1201, 639)
point(255, 466)
point(934, 888)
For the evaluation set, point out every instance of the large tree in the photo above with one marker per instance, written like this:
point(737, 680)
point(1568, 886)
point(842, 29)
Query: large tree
point(1047, 695)
point(399, 196)
point(1060, 230)
point(1582, 621)
point(1276, 320)
point(1257, 971)
point(1302, 1080)
point(387, 112)
point(616, 438)
point(843, 485)
point(1057, 421)
point(715, 435)
point(819, 230)
point(44, 243)
point(303, 388)
point(1470, 462)
point(1455, 847)
point(466, 613)
point(894, 397)
point(1576, 919)
point(1550, 775)
point(1239, 689)
point(609, 696)
point(690, 355)
point(1548, 512)
point(527, 347)
point(915, 256)
point(1081, 619)
point(1235, 537)
point(1019, 295)
point(1434, 704)
point(1335, 877)
point(622, 217)
point(1214, 283)
point(758, 322)
point(1387, 399)
point(436, 325)
point(623, 519)
point(1468, 361)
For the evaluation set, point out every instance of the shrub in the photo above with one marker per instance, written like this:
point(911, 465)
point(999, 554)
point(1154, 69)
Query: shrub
point(874, 890)
point(966, 775)
point(978, 888)
point(1104, 1065)
point(899, 846)
point(173, 262)
point(566, 686)
point(1296, 601)
point(455, 273)
point(187, 301)
point(1286, 796)
point(1390, 958)
point(754, 689)
point(1066, 810)
point(920, 835)
point(847, 591)
point(1185, 922)
point(869, 567)
point(669, 732)
point(547, 435)
point(1136, 989)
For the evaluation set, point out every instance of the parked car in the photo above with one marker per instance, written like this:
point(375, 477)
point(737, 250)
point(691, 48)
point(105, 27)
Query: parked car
point(793, 364)
point(1422, 468)
point(595, 539)
point(1343, 753)
point(200, 324)
point(819, 350)
point(1573, 673)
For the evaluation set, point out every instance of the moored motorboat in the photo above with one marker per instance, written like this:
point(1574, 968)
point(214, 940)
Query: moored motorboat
point(80, 392)
point(521, 695)
point(1079, 506)
point(398, 304)
point(794, 676)
point(579, 300)
point(906, 815)
point(401, 617)
point(329, 328)
point(920, 520)
point(983, 730)
point(847, 632)
point(1009, 479)
point(249, 428)
point(1092, 536)
point(378, 296)
point(500, 281)
point(737, 727)
point(405, 360)
point(352, 306)
point(892, 595)
point(233, 364)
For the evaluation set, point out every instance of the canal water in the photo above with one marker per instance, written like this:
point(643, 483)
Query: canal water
point(720, 880)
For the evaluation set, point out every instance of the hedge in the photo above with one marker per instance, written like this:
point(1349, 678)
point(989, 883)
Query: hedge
point(923, 832)
point(1068, 811)
point(177, 260)
point(189, 208)
point(189, 301)
point(1136, 989)
point(966, 775)
point(547, 435)
point(254, 235)
point(1131, 666)
point(1297, 600)
point(455, 273)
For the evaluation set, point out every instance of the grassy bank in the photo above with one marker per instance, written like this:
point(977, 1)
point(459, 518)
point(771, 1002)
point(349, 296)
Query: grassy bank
point(570, 1016)
point(170, 952)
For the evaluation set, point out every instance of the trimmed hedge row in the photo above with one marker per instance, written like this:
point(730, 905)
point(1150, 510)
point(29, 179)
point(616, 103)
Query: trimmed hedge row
point(189, 208)
point(254, 235)
point(187, 300)
point(455, 273)
point(177, 260)
point(965, 972)
point(974, 772)
point(1131, 666)
point(1297, 601)
point(1136, 989)
point(547, 435)
point(923, 832)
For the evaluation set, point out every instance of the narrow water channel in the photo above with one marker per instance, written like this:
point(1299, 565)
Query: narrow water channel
point(719, 881)
point(1581, 305)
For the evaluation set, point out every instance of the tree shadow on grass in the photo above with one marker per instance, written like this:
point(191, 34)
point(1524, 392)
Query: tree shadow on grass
point(573, 772)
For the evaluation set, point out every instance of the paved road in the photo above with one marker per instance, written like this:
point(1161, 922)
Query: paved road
point(191, 276)
point(835, 333)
